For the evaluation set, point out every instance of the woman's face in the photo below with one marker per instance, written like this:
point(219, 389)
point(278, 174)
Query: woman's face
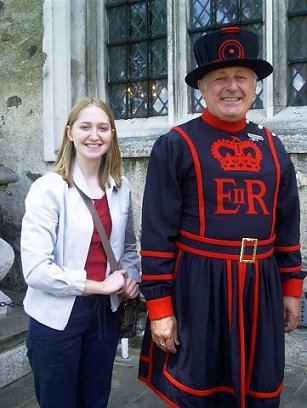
point(91, 134)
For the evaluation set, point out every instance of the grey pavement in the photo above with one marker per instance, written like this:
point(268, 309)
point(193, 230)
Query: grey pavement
point(128, 392)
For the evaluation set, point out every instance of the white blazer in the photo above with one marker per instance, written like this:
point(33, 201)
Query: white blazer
point(55, 237)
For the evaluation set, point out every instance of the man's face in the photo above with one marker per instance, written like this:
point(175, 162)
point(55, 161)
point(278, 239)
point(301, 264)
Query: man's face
point(229, 92)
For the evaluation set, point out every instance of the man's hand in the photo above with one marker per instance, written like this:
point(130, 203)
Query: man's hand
point(164, 333)
point(131, 289)
point(292, 312)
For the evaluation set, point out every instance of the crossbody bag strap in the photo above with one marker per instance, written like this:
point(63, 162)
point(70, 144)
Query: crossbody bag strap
point(101, 231)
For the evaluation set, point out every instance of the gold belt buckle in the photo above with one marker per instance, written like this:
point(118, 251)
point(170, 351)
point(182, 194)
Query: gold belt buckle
point(243, 244)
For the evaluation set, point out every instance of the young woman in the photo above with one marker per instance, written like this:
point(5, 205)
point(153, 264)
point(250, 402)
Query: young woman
point(72, 297)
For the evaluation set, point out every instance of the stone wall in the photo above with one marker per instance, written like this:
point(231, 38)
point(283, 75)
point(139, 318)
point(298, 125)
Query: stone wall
point(300, 163)
point(21, 137)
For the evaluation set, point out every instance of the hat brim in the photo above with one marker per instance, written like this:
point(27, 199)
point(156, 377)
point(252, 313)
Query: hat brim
point(261, 68)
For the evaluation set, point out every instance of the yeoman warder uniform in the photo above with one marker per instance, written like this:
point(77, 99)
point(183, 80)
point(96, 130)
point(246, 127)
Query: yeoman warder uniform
point(220, 248)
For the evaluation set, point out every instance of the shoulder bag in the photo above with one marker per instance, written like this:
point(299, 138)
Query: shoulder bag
point(128, 307)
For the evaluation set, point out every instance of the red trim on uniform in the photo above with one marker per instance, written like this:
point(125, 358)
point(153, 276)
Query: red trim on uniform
point(292, 287)
point(144, 358)
point(158, 308)
point(273, 394)
point(201, 203)
point(177, 262)
point(220, 255)
point(241, 281)
point(162, 396)
point(277, 165)
point(288, 248)
point(233, 29)
point(156, 277)
point(157, 254)
point(143, 379)
point(221, 124)
point(290, 269)
point(190, 390)
point(224, 242)
point(225, 46)
point(254, 327)
point(148, 381)
point(229, 292)
point(193, 391)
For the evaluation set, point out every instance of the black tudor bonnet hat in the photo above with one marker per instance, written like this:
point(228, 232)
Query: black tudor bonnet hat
point(227, 47)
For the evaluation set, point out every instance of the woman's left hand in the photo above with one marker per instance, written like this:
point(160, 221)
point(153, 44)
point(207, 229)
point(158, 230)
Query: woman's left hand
point(131, 288)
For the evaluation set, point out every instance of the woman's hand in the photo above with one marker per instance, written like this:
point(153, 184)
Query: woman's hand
point(114, 283)
point(131, 289)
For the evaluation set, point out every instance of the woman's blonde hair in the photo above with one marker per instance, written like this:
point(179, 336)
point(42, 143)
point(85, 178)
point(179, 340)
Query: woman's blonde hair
point(111, 163)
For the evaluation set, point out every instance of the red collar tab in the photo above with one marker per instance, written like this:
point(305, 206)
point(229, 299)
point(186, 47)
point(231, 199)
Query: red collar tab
point(220, 124)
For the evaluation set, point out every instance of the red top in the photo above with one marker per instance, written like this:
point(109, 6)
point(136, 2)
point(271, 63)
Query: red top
point(96, 262)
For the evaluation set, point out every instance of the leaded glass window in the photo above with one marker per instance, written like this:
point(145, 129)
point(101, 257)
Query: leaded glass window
point(137, 58)
point(297, 52)
point(207, 15)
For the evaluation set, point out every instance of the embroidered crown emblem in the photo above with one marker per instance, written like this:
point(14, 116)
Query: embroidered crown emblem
point(237, 155)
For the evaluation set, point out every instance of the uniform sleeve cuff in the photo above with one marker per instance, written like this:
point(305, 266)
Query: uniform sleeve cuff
point(292, 287)
point(159, 308)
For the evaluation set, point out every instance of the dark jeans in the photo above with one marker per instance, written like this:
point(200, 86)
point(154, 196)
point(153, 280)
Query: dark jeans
point(73, 368)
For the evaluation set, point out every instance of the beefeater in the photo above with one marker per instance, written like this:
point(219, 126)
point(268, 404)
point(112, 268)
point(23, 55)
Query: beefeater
point(222, 274)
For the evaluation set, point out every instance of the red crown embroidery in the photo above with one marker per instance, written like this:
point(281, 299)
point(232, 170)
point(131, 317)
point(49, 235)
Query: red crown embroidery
point(236, 155)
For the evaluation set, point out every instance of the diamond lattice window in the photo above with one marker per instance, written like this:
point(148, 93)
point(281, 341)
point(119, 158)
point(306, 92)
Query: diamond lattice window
point(137, 58)
point(297, 52)
point(206, 15)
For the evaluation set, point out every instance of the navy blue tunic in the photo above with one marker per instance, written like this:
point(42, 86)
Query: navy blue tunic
point(220, 248)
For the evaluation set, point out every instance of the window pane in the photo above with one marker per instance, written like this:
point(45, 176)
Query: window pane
point(137, 58)
point(297, 52)
point(298, 37)
point(297, 6)
point(138, 20)
point(117, 24)
point(157, 18)
point(200, 13)
point(117, 63)
point(226, 12)
point(158, 58)
point(206, 15)
point(118, 96)
point(251, 10)
point(159, 98)
point(138, 99)
point(298, 85)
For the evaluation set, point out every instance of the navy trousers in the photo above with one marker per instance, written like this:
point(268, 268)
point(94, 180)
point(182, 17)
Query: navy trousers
point(73, 368)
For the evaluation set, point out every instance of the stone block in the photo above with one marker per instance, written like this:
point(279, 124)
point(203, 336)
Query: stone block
point(14, 364)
